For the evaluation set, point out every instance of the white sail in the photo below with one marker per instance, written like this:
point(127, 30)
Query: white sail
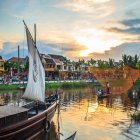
point(35, 89)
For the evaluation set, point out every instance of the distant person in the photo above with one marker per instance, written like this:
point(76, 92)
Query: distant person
point(107, 88)
point(102, 92)
point(5, 79)
point(99, 93)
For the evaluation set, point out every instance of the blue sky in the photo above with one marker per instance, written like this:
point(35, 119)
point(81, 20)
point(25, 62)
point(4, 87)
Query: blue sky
point(74, 28)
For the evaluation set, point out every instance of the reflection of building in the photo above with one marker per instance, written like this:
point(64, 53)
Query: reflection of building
point(2, 102)
point(1, 66)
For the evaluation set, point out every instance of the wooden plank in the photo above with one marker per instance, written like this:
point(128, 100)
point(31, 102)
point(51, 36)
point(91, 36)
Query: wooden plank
point(11, 110)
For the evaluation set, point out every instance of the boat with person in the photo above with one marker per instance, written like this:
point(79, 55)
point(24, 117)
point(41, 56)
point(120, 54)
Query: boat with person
point(101, 94)
point(104, 96)
point(28, 121)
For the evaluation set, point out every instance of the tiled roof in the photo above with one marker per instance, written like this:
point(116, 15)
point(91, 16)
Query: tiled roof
point(45, 56)
point(49, 61)
point(60, 57)
point(15, 59)
point(57, 61)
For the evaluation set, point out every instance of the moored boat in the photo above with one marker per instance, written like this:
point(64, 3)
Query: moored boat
point(104, 96)
point(26, 122)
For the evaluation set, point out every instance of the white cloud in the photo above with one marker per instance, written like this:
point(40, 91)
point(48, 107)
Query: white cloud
point(116, 53)
point(1, 44)
point(90, 8)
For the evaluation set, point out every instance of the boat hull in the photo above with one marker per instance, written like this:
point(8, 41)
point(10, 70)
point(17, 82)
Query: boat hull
point(104, 96)
point(30, 128)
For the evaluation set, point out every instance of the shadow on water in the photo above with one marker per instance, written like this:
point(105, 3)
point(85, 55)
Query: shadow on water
point(105, 119)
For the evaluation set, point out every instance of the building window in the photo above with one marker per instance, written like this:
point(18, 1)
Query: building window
point(59, 67)
point(1, 65)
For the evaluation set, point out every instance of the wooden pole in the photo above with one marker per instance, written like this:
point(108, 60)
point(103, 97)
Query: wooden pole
point(35, 33)
point(18, 61)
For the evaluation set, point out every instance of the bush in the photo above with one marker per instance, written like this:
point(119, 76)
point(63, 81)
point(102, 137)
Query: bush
point(136, 117)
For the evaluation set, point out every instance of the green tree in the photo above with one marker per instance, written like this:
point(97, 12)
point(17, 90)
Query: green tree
point(138, 65)
point(125, 59)
point(92, 62)
point(9, 65)
point(111, 63)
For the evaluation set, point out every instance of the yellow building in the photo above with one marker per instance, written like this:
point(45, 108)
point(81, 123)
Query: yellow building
point(1, 66)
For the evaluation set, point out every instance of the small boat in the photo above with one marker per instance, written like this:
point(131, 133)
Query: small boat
point(104, 96)
point(71, 137)
point(28, 121)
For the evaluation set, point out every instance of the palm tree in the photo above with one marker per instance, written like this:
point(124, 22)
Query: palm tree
point(101, 64)
point(136, 59)
point(111, 62)
point(125, 59)
point(130, 61)
point(138, 66)
point(92, 62)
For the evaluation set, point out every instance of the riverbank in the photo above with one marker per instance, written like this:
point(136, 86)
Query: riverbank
point(52, 85)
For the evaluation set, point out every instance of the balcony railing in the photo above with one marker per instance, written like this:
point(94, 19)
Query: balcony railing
point(1, 68)
point(50, 69)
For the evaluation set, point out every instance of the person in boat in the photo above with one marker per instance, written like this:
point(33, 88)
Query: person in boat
point(107, 88)
point(56, 94)
point(99, 93)
point(102, 92)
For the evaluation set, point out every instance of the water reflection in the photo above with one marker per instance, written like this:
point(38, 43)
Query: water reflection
point(105, 119)
point(134, 128)
point(11, 97)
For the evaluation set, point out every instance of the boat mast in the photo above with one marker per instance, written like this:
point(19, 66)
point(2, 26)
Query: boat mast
point(32, 38)
point(35, 33)
point(18, 61)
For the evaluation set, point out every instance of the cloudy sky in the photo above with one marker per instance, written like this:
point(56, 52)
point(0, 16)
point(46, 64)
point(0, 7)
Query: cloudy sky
point(73, 28)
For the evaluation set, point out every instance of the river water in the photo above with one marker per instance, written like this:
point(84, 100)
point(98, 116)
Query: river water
point(79, 110)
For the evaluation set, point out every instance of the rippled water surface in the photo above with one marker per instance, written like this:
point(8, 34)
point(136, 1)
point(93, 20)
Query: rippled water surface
point(107, 119)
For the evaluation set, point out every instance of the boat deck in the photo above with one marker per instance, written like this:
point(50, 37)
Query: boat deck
point(11, 110)
point(12, 114)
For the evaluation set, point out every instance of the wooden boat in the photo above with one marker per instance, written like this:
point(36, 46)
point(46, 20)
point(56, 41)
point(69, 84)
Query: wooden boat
point(26, 122)
point(104, 96)
point(71, 137)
